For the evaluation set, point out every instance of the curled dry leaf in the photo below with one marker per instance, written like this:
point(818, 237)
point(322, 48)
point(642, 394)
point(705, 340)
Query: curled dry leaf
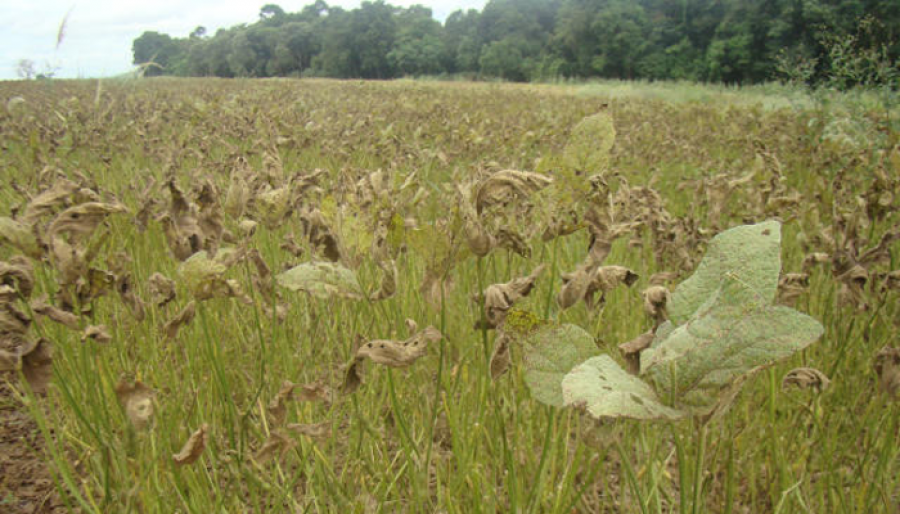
point(607, 278)
point(20, 236)
point(887, 366)
point(125, 288)
point(791, 286)
point(500, 358)
point(806, 378)
point(631, 351)
point(65, 318)
point(81, 220)
point(137, 400)
point(46, 202)
point(503, 186)
point(193, 448)
point(314, 430)
point(184, 317)
point(313, 392)
point(576, 284)
point(435, 288)
point(352, 376)
point(388, 286)
point(162, 289)
point(399, 354)
point(98, 333)
point(655, 299)
point(276, 444)
point(37, 366)
point(852, 291)
point(18, 274)
point(499, 298)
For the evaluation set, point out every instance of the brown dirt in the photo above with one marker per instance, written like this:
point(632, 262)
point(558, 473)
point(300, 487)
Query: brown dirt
point(26, 486)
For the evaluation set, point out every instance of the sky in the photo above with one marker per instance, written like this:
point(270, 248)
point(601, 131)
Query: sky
point(99, 33)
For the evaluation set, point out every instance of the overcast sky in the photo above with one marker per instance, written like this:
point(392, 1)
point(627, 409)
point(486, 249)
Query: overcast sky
point(99, 33)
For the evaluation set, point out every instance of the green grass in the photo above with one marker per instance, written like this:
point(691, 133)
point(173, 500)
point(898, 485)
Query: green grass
point(440, 436)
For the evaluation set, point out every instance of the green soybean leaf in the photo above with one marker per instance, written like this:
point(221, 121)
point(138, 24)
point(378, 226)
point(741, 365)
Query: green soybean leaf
point(750, 253)
point(322, 279)
point(732, 335)
point(602, 387)
point(551, 352)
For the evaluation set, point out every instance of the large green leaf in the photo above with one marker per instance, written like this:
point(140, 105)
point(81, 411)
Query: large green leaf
point(322, 279)
point(734, 333)
point(751, 254)
point(607, 391)
point(551, 352)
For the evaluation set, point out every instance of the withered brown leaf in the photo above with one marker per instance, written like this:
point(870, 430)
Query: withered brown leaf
point(137, 400)
point(806, 378)
point(193, 448)
point(184, 317)
point(399, 354)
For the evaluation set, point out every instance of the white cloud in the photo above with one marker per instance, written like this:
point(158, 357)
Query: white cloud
point(99, 33)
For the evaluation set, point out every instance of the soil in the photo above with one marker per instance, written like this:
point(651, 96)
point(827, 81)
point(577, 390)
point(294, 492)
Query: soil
point(26, 486)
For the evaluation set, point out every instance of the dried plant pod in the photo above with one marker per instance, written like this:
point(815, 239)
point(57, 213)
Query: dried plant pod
point(98, 333)
point(137, 400)
point(65, 318)
point(806, 378)
point(887, 367)
point(662, 278)
point(499, 298)
point(162, 289)
point(631, 351)
point(399, 354)
point(193, 448)
point(184, 317)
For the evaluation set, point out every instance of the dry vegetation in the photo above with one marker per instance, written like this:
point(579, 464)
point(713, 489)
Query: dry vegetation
point(316, 296)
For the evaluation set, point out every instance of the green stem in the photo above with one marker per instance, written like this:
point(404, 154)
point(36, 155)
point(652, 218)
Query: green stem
point(698, 470)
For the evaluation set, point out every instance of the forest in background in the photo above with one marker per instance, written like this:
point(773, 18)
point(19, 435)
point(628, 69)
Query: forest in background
point(839, 43)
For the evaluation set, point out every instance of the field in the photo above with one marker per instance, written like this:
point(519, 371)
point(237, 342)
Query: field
point(169, 349)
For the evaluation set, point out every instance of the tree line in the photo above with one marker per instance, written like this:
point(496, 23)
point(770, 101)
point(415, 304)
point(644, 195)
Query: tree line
point(843, 42)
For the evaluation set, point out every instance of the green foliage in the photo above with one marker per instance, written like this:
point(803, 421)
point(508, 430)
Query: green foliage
point(551, 353)
point(602, 387)
point(749, 254)
point(724, 327)
point(839, 44)
point(322, 280)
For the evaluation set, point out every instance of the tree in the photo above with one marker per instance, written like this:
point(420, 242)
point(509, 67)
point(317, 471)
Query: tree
point(270, 11)
point(26, 69)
